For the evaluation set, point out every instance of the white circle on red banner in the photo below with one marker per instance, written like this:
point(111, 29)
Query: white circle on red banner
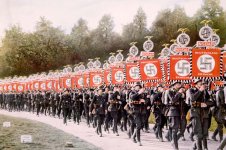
point(43, 86)
point(49, 85)
point(119, 76)
point(20, 88)
point(36, 85)
point(206, 63)
point(134, 73)
point(68, 82)
point(150, 70)
point(97, 79)
point(80, 81)
point(182, 68)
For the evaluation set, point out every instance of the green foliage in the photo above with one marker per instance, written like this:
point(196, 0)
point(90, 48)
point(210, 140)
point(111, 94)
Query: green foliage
point(49, 48)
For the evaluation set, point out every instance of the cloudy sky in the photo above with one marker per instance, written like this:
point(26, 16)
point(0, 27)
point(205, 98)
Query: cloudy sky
point(65, 13)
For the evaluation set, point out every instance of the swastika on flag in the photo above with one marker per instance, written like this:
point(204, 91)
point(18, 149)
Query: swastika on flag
point(206, 63)
point(119, 76)
point(97, 79)
point(182, 68)
point(150, 70)
point(134, 72)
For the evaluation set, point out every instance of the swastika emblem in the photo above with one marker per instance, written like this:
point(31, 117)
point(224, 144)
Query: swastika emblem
point(206, 63)
point(148, 45)
point(134, 72)
point(97, 79)
point(80, 81)
point(20, 88)
point(119, 76)
point(205, 33)
point(10, 87)
point(68, 82)
point(43, 86)
point(183, 39)
point(36, 85)
point(216, 39)
point(182, 68)
point(49, 85)
point(150, 70)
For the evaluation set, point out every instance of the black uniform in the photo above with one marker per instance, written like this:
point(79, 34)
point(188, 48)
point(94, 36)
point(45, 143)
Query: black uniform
point(99, 107)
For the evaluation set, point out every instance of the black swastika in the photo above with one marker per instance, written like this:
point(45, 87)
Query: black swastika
point(183, 68)
point(206, 63)
point(150, 70)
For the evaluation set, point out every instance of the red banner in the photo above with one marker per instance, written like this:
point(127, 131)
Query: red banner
point(96, 79)
point(35, 85)
point(224, 61)
point(65, 82)
point(150, 69)
point(107, 77)
point(42, 85)
point(49, 85)
point(85, 79)
point(117, 75)
point(179, 67)
point(77, 81)
point(206, 63)
point(132, 72)
point(20, 87)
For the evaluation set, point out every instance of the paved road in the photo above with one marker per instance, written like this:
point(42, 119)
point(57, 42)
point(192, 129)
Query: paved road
point(108, 141)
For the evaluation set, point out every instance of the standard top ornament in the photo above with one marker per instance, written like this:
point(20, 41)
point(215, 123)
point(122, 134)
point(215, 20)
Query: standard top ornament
point(133, 49)
point(183, 39)
point(148, 45)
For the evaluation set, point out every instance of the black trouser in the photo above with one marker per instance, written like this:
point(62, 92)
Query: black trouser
point(100, 121)
point(114, 115)
point(183, 123)
point(76, 115)
point(146, 122)
point(174, 122)
point(65, 113)
point(107, 120)
point(86, 111)
point(200, 129)
point(54, 107)
point(138, 122)
point(222, 145)
point(124, 121)
point(132, 124)
point(158, 123)
point(38, 106)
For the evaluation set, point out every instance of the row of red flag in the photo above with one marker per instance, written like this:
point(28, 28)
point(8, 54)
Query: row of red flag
point(201, 63)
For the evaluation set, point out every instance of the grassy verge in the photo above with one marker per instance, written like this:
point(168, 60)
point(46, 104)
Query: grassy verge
point(44, 136)
point(212, 127)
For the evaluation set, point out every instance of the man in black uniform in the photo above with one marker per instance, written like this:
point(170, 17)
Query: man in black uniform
point(66, 105)
point(86, 104)
point(77, 100)
point(99, 107)
point(219, 113)
point(173, 100)
point(200, 114)
point(114, 107)
point(157, 111)
point(137, 103)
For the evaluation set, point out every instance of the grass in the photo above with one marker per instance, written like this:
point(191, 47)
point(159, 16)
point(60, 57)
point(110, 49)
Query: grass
point(212, 127)
point(44, 136)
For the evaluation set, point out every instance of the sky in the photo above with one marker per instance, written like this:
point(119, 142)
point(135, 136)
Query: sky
point(65, 13)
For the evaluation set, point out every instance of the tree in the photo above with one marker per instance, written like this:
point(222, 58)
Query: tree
point(166, 25)
point(211, 10)
point(79, 38)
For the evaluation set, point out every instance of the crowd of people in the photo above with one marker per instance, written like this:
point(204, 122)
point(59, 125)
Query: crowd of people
point(128, 108)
